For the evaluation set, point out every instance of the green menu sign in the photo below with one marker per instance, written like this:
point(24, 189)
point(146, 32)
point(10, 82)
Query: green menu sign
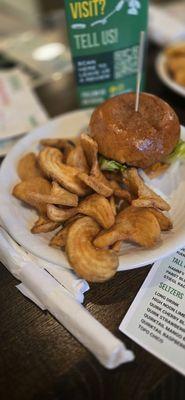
point(104, 37)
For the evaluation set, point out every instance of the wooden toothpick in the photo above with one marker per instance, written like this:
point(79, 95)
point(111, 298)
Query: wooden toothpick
point(140, 68)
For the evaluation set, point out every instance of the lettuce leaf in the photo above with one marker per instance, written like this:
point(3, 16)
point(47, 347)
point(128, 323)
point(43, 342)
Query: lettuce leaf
point(178, 153)
point(111, 165)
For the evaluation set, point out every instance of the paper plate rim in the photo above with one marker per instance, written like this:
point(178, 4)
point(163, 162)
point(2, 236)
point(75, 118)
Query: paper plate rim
point(126, 262)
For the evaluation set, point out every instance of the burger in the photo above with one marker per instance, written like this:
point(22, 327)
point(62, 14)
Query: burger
point(141, 139)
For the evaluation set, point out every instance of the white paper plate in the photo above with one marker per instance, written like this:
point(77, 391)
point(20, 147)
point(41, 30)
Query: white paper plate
point(6, 146)
point(18, 218)
point(165, 77)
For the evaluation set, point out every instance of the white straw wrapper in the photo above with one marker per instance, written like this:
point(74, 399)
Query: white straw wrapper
point(9, 254)
point(15, 257)
point(26, 292)
point(39, 285)
point(109, 350)
point(66, 278)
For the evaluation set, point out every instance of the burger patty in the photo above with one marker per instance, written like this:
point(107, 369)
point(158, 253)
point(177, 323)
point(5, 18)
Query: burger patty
point(138, 138)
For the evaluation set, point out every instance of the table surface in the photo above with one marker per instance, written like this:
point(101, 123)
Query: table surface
point(39, 359)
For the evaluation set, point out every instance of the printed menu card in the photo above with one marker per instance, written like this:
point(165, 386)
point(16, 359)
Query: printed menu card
point(156, 318)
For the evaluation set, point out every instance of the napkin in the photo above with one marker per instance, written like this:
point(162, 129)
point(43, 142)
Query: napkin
point(61, 292)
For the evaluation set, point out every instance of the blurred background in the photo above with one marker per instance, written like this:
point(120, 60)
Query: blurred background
point(27, 26)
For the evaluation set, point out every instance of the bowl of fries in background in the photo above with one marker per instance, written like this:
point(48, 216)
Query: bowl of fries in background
point(59, 204)
point(170, 66)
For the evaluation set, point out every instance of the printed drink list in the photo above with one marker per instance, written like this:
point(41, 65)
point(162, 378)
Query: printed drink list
point(104, 38)
point(156, 318)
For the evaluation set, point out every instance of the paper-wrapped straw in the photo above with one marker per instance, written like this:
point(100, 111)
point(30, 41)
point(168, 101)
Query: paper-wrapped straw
point(26, 292)
point(41, 287)
point(66, 278)
point(14, 258)
point(9, 254)
point(109, 350)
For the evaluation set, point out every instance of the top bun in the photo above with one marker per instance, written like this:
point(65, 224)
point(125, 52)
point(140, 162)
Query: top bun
point(138, 138)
